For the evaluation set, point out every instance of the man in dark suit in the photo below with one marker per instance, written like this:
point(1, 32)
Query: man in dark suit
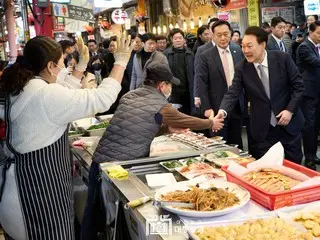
point(308, 61)
point(275, 40)
point(274, 86)
point(201, 50)
point(215, 74)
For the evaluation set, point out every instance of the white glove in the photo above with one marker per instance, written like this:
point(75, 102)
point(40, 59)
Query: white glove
point(123, 52)
point(84, 55)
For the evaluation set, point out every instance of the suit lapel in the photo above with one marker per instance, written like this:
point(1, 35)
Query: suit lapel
point(234, 55)
point(218, 61)
point(311, 45)
point(252, 72)
point(273, 72)
point(275, 44)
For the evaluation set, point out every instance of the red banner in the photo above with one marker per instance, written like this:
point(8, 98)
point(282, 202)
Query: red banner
point(235, 4)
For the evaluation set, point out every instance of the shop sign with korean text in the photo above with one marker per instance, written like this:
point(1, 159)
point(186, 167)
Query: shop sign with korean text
point(253, 12)
point(80, 13)
point(72, 12)
point(119, 16)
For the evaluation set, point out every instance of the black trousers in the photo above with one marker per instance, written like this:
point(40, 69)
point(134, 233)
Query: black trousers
point(291, 144)
point(309, 108)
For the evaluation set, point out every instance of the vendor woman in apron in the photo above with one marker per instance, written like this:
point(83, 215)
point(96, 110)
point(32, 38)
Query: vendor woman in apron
point(36, 179)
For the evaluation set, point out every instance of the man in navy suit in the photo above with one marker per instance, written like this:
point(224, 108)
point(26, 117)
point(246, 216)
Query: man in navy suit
point(308, 61)
point(201, 50)
point(275, 40)
point(215, 74)
point(274, 86)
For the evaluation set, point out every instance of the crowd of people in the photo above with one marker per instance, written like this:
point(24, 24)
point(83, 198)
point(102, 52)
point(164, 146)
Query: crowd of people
point(265, 80)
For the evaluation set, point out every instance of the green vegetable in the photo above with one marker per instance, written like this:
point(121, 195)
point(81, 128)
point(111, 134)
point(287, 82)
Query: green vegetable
point(98, 126)
point(72, 133)
point(190, 161)
point(173, 164)
point(221, 154)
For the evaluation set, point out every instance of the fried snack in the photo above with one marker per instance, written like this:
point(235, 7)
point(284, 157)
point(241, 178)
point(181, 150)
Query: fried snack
point(211, 199)
point(270, 180)
point(274, 228)
point(310, 220)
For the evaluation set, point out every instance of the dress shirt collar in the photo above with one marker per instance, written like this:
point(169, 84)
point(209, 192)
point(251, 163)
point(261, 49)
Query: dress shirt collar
point(264, 62)
point(278, 40)
point(313, 42)
point(221, 50)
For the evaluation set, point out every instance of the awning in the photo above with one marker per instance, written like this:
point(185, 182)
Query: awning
point(102, 5)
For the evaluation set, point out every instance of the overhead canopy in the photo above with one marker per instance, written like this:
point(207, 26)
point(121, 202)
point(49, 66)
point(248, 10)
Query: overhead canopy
point(107, 4)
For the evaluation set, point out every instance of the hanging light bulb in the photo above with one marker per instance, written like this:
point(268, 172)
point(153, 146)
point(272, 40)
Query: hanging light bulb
point(200, 22)
point(170, 26)
point(159, 30)
point(185, 26)
point(154, 30)
point(191, 24)
point(177, 25)
point(164, 29)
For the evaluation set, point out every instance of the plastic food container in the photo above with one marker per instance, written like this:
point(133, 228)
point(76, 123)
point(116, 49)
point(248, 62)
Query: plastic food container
point(282, 199)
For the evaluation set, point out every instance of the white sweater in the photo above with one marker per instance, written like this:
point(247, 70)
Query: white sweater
point(41, 112)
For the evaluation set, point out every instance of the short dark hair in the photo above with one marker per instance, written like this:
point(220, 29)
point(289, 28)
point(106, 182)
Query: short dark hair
point(175, 31)
point(315, 17)
point(161, 37)
point(294, 25)
point(213, 20)
point(314, 25)
point(276, 20)
point(261, 35)
point(65, 44)
point(236, 31)
point(148, 36)
point(265, 25)
point(92, 40)
point(219, 23)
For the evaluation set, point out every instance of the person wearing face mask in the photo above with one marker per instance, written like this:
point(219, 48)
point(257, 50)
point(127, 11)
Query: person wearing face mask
point(143, 58)
point(36, 197)
point(146, 108)
point(73, 80)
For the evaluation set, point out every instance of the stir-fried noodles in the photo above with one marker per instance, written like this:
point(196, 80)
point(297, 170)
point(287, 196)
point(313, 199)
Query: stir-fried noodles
point(210, 199)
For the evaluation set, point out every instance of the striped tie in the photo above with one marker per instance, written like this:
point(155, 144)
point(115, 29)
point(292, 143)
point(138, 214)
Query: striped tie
point(282, 47)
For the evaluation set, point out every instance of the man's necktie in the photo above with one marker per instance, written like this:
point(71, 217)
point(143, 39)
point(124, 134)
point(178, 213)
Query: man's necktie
point(282, 48)
point(226, 67)
point(265, 82)
point(318, 50)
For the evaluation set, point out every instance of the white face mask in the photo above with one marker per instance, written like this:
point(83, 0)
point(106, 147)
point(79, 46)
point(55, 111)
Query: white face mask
point(61, 75)
point(167, 95)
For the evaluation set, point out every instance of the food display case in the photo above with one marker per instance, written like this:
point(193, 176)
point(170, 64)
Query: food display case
point(173, 159)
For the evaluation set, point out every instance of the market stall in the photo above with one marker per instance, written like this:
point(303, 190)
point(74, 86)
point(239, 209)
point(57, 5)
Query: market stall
point(148, 198)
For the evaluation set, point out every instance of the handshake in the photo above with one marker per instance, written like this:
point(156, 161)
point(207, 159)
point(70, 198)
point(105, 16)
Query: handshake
point(217, 121)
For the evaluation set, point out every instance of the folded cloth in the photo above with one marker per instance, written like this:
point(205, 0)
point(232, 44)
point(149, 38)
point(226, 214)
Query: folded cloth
point(117, 172)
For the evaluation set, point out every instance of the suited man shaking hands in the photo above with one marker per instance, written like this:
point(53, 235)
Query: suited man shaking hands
point(214, 76)
point(275, 88)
